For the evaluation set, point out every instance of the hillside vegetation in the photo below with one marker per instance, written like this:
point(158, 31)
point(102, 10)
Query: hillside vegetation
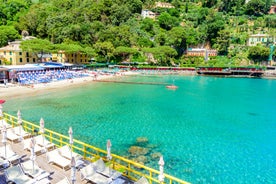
point(114, 30)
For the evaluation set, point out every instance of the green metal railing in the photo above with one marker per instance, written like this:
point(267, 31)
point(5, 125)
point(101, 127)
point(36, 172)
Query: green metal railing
point(128, 168)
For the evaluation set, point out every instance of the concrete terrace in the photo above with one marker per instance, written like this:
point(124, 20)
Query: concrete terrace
point(56, 172)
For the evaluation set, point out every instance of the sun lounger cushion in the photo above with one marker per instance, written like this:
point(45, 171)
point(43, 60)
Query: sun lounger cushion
point(55, 158)
point(33, 170)
point(16, 175)
point(89, 173)
point(100, 167)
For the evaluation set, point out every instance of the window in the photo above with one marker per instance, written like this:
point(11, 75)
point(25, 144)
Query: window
point(72, 55)
point(10, 53)
point(20, 60)
point(81, 60)
point(27, 54)
point(27, 60)
point(20, 53)
point(4, 52)
point(10, 59)
point(33, 60)
point(72, 60)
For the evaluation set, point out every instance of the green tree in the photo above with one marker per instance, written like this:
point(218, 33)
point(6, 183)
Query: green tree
point(258, 53)
point(104, 49)
point(223, 42)
point(124, 52)
point(7, 33)
point(256, 7)
point(166, 21)
point(38, 46)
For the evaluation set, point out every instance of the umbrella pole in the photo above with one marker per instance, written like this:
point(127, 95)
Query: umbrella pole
point(5, 150)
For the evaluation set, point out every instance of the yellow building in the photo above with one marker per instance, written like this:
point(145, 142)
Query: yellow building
point(13, 55)
point(77, 58)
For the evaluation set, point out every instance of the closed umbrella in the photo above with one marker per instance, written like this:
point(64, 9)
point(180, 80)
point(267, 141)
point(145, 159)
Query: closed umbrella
point(41, 130)
point(4, 138)
point(32, 146)
point(108, 148)
point(161, 169)
point(73, 170)
point(19, 121)
point(71, 141)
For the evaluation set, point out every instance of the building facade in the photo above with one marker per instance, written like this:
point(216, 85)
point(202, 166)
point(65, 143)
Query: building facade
point(262, 39)
point(201, 52)
point(13, 55)
point(77, 58)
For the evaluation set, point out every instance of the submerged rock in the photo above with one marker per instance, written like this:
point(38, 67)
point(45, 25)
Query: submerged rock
point(142, 140)
point(156, 155)
point(137, 150)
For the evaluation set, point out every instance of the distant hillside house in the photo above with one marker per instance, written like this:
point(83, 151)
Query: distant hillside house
point(201, 52)
point(77, 58)
point(163, 5)
point(13, 55)
point(272, 10)
point(262, 39)
point(148, 14)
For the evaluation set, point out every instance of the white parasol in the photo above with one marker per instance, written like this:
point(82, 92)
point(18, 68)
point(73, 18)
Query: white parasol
point(19, 121)
point(71, 141)
point(4, 139)
point(108, 148)
point(73, 170)
point(161, 169)
point(32, 146)
point(41, 130)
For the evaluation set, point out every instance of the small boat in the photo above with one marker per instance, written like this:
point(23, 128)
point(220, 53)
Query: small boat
point(171, 87)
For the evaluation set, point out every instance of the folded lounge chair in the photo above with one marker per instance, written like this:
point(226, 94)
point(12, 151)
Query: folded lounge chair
point(53, 157)
point(16, 175)
point(9, 154)
point(33, 170)
point(89, 173)
point(101, 168)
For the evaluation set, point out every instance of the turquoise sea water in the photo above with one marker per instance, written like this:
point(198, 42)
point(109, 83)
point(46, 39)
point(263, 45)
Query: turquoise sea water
point(210, 130)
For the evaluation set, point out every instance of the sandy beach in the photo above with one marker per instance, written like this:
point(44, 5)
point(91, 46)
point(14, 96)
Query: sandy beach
point(17, 91)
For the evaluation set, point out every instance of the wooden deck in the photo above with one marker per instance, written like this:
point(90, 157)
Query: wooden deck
point(57, 173)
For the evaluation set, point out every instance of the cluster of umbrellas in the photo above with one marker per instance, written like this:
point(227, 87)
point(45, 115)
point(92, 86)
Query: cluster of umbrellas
point(71, 141)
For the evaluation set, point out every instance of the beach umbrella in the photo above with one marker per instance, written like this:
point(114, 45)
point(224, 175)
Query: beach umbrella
point(71, 141)
point(32, 146)
point(161, 169)
point(2, 101)
point(4, 138)
point(73, 170)
point(41, 130)
point(108, 148)
point(19, 121)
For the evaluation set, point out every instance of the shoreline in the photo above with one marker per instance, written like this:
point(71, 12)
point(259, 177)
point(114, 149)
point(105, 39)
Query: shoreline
point(17, 91)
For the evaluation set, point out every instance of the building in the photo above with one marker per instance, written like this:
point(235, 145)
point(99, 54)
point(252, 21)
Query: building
point(13, 55)
point(77, 58)
point(262, 39)
point(163, 5)
point(148, 14)
point(201, 52)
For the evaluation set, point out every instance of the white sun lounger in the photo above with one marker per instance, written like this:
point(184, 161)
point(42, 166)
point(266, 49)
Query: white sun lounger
point(3, 122)
point(53, 157)
point(47, 144)
point(142, 180)
point(34, 170)
point(101, 168)
point(12, 136)
point(37, 148)
point(90, 174)
point(11, 156)
point(19, 130)
point(64, 181)
point(65, 151)
point(16, 175)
